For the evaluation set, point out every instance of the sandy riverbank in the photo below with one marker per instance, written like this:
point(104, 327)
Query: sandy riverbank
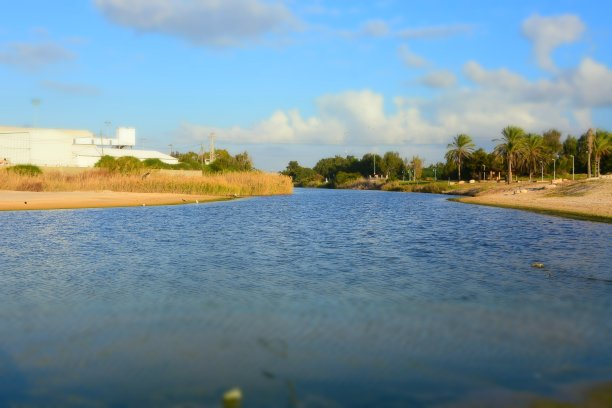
point(589, 199)
point(27, 200)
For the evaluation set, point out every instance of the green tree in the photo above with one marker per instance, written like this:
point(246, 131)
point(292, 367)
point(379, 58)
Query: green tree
point(302, 176)
point(392, 165)
point(416, 164)
point(601, 147)
point(461, 147)
point(534, 152)
point(370, 164)
point(511, 147)
point(473, 165)
point(551, 142)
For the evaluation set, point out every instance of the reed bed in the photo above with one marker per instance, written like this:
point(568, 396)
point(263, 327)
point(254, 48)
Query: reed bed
point(242, 183)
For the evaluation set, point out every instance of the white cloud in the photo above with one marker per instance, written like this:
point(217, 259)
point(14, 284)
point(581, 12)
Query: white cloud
point(592, 82)
point(353, 118)
point(501, 78)
point(439, 79)
point(435, 31)
point(492, 100)
point(411, 59)
point(548, 33)
point(375, 28)
point(202, 22)
point(34, 57)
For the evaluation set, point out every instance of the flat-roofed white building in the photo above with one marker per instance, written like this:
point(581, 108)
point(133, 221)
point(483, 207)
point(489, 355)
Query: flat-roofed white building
point(69, 147)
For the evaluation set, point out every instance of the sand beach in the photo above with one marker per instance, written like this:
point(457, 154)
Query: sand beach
point(589, 199)
point(28, 200)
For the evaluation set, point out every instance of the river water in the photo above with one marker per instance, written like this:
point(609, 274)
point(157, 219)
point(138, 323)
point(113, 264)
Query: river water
point(324, 298)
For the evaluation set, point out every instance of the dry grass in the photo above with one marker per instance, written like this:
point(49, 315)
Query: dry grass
point(243, 184)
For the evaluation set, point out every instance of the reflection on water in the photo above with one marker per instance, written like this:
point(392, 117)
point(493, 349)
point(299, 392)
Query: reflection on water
point(323, 298)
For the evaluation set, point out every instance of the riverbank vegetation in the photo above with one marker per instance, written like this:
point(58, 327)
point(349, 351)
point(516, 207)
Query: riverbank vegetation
point(228, 183)
point(226, 175)
point(517, 155)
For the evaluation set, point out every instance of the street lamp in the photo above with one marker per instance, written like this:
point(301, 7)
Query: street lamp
point(573, 174)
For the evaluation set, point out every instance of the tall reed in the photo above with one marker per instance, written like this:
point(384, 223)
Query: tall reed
point(243, 183)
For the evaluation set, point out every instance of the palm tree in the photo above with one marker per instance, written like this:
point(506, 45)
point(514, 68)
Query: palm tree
point(461, 148)
point(534, 152)
point(601, 147)
point(590, 140)
point(511, 148)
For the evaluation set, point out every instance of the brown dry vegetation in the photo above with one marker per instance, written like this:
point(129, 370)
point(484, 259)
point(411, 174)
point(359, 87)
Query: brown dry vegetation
point(242, 184)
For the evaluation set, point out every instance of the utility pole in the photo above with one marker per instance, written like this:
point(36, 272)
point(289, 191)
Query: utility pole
point(212, 147)
point(170, 145)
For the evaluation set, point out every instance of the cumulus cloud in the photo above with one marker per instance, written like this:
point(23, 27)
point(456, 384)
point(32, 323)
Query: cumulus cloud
point(353, 117)
point(411, 59)
point(439, 79)
point(201, 22)
point(548, 33)
point(492, 99)
point(33, 57)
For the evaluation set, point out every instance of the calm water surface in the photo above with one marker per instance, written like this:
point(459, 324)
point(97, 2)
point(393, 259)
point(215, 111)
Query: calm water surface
point(320, 299)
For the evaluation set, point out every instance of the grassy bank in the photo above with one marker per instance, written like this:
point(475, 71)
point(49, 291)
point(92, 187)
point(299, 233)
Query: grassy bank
point(241, 183)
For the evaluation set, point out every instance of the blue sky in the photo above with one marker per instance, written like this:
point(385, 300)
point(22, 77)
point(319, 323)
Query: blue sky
point(301, 80)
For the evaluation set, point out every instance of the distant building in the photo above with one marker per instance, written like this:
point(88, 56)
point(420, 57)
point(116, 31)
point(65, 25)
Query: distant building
point(68, 147)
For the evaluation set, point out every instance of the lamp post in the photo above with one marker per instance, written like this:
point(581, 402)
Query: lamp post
point(573, 174)
point(542, 166)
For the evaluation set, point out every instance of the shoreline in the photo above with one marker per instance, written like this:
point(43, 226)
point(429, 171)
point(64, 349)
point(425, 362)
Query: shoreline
point(589, 200)
point(574, 215)
point(11, 200)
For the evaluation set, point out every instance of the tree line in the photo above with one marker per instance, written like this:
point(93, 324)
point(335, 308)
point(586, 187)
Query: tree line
point(517, 153)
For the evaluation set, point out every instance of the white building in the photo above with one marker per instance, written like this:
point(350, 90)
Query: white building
point(69, 148)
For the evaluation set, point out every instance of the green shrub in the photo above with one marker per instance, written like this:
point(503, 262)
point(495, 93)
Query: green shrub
point(107, 162)
point(155, 164)
point(344, 178)
point(25, 170)
point(123, 165)
point(129, 165)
